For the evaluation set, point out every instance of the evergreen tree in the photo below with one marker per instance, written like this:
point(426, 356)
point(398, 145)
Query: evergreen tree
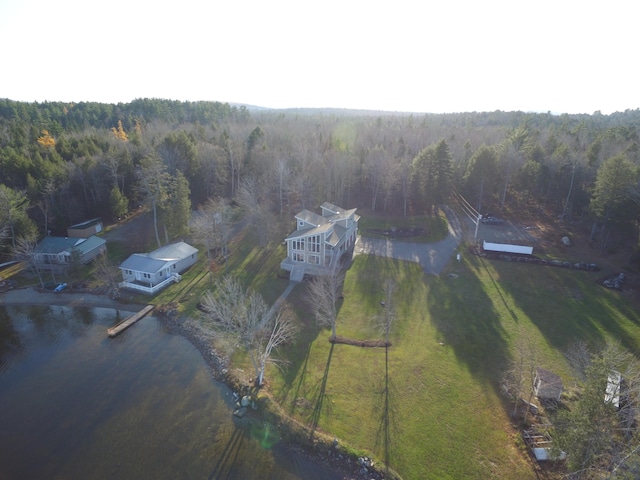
point(480, 178)
point(615, 179)
point(175, 210)
point(118, 203)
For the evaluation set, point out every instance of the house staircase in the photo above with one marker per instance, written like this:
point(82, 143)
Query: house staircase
point(297, 273)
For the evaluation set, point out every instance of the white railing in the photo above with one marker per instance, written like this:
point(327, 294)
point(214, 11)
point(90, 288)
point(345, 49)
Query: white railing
point(151, 290)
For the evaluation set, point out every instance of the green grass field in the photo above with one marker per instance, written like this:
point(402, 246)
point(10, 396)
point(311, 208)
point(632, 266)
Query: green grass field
point(432, 228)
point(430, 405)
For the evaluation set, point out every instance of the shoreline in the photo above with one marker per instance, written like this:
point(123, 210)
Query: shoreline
point(314, 450)
point(69, 298)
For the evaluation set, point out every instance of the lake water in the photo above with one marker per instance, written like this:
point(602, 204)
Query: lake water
point(75, 404)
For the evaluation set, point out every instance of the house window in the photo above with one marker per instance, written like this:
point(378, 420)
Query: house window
point(314, 259)
point(298, 244)
point(298, 257)
point(146, 275)
point(300, 223)
point(313, 244)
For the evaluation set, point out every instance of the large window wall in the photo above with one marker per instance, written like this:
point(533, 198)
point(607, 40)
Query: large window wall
point(306, 249)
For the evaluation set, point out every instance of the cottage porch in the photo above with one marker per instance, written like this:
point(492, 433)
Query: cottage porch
point(150, 289)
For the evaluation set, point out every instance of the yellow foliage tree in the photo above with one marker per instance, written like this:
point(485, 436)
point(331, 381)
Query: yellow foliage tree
point(119, 132)
point(46, 140)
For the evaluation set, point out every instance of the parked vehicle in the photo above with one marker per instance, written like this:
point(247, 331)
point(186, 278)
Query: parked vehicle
point(491, 220)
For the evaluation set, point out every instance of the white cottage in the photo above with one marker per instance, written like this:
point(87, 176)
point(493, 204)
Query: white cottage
point(151, 272)
point(319, 241)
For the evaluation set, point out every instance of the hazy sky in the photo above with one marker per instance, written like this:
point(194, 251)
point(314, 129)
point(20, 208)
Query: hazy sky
point(419, 55)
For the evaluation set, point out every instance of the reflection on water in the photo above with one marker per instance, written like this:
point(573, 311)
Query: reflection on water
point(77, 404)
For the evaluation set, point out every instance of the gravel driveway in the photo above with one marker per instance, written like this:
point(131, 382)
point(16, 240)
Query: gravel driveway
point(433, 257)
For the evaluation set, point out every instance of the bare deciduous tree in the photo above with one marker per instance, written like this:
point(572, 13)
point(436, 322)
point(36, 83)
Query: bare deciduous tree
point(519, 377)
point(25, 251)
point(386, 320)
point(242, 317)
point(152, 185)
point(212, 226)
point(323, 294)
point(282, 330)
point(108, 272)
point(257, 209)
point(282, 174)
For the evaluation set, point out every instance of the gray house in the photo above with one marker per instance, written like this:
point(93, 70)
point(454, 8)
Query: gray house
point(318, 242)
point(61, 250)
point(151, 272)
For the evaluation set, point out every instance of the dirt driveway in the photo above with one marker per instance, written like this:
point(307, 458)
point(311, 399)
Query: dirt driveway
point(507, 232)
point(136, 231)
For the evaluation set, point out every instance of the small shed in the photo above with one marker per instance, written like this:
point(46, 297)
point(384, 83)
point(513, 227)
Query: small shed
point(85, 229)
point(507, 248)
point(547, 385)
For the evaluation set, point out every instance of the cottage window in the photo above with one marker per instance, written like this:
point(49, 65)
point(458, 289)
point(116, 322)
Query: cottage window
point(298, 257)
point(298, 244)
point(314, 244)
point(314, 259)
point(300, 223)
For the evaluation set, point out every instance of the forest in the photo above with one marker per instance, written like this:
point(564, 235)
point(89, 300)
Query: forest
point(62, 163)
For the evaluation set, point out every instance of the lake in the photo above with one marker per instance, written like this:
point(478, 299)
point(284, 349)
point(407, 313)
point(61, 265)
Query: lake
point(75, 404)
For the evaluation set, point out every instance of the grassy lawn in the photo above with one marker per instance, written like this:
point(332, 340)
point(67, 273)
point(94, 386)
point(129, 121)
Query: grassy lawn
point(256, 266)
point(429, 229)
point(431, 406)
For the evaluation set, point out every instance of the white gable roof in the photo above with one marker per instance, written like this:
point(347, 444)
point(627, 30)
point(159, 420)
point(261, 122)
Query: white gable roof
point(142, 262)
point(174, 251)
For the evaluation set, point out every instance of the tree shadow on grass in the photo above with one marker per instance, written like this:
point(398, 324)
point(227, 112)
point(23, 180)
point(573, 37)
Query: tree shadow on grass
point(469, 323)
point(387, 428)
point(561, 304)
point(298, 353)
point(289, 376)
point(224, 467)
point(320, 395)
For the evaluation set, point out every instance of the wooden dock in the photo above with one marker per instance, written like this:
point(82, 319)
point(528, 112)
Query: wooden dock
point(127, 322)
